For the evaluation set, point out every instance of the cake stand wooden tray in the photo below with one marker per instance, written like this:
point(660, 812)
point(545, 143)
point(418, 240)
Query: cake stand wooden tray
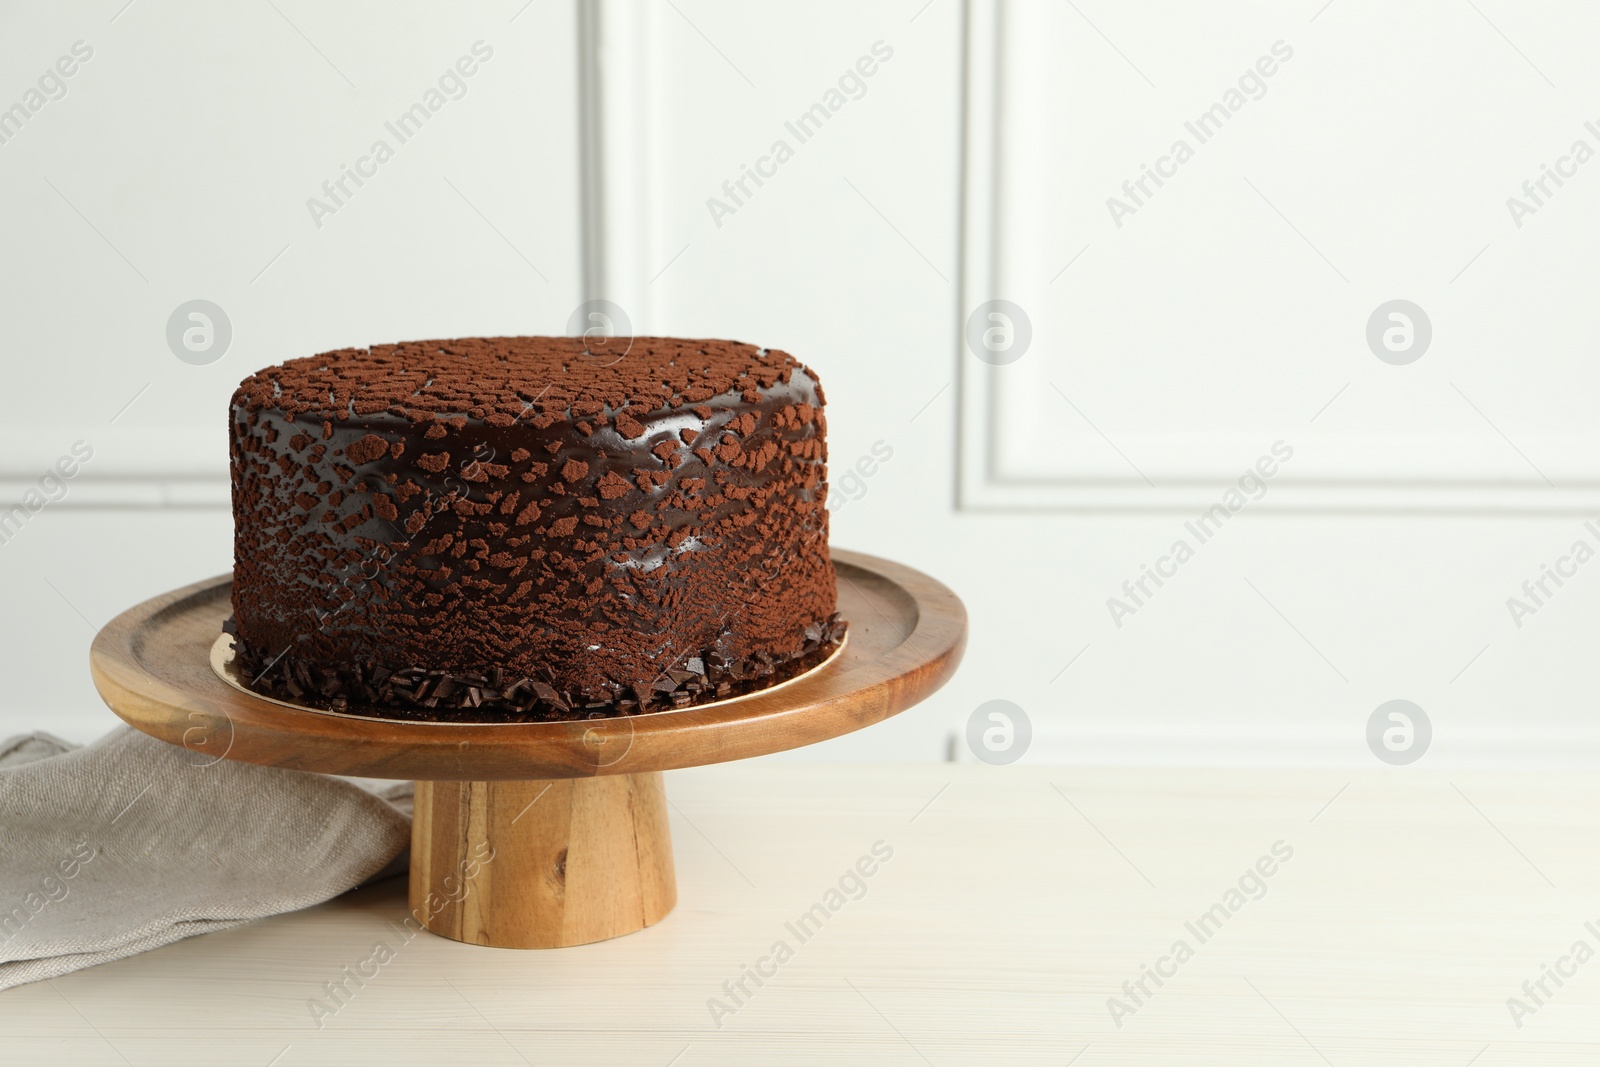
point(534, 835)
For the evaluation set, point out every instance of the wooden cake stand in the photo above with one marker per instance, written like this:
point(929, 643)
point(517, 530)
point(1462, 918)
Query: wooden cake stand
point(534, 835)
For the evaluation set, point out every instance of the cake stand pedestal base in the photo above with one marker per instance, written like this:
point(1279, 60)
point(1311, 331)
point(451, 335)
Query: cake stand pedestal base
point(533, 834)
point(541, 864)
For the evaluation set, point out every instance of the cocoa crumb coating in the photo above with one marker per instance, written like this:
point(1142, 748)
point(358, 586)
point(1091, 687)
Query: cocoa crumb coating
point(513, 528)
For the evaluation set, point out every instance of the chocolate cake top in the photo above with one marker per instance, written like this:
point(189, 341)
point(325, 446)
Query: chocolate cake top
point(501, 380)
point(530, 526)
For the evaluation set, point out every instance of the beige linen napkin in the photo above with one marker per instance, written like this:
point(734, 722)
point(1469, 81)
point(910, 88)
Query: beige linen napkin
point(129, 843)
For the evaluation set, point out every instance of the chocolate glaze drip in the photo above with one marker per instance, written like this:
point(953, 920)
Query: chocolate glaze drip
point(506, 524)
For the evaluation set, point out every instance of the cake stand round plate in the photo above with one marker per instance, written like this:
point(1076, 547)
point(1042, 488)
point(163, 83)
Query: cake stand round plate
point(534, 835)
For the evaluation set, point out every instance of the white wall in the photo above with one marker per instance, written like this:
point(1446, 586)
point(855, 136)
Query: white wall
point(178, 166)
point(1221, 317)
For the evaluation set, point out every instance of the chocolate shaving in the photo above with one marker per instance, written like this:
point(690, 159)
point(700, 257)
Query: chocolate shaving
point(418, 693)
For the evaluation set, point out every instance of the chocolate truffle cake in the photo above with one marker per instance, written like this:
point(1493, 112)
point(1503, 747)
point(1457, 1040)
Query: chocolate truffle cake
point(508, 529)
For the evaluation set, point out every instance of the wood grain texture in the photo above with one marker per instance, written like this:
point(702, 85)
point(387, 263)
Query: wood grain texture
point(907, 634)
point(993, 937)
point(541, 864)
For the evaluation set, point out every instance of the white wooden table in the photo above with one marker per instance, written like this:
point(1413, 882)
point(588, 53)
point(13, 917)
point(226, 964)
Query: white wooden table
point(1016, 903)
